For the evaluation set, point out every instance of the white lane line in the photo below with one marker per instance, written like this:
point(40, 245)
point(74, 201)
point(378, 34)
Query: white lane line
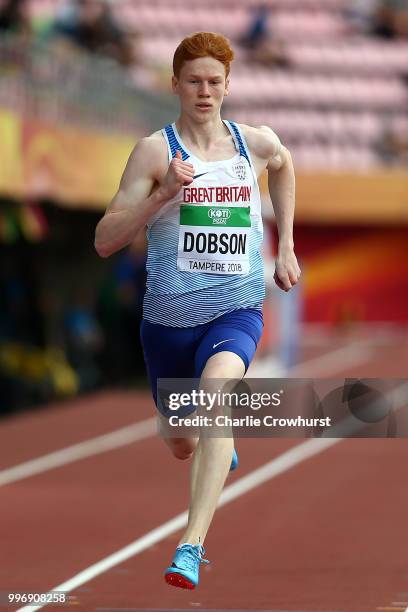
point(82, 450)
point(325, 364)
point(334, 361)
point(273, 468)
point(200, 609)
point(351, 425)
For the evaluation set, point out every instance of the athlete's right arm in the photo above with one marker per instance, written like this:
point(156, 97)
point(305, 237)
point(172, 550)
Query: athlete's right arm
point(136, 200)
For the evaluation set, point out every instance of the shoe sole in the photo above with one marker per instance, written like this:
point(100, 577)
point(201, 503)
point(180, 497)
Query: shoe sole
point(178, 580)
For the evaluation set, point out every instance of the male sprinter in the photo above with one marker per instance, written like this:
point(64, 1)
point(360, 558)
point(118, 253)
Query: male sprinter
point(203, 305)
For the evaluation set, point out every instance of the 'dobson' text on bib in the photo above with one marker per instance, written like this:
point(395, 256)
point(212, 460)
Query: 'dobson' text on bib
point(215, 224)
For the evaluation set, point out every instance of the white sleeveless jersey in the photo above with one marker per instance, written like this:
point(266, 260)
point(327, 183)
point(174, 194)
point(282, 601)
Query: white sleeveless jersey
point(204, 244)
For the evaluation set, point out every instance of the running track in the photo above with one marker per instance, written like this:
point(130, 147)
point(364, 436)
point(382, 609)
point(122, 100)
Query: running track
point(328, 534)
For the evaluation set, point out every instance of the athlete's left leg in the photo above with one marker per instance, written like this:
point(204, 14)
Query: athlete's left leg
point(242, 330)
point(212, 457)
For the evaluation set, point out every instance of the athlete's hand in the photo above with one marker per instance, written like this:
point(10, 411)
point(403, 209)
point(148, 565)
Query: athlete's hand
point(179, 173)
point(287, 271)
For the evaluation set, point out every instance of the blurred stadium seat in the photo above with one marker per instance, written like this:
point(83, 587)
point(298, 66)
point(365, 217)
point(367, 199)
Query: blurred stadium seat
point(341, 88)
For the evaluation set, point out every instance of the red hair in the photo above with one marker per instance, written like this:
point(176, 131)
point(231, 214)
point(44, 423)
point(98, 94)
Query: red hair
point(203, 44)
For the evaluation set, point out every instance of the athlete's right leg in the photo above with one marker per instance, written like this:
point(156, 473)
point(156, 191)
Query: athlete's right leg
point(169, 353)
point(181, 448)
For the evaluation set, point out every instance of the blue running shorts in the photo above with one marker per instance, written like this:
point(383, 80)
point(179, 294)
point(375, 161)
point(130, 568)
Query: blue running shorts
point(182, 352)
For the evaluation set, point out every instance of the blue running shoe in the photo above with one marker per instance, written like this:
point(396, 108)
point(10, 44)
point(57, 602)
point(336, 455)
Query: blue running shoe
point(184, 570)
point(234, 462)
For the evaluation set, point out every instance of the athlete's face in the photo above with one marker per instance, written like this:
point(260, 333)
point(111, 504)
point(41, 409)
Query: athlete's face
point(201, 87)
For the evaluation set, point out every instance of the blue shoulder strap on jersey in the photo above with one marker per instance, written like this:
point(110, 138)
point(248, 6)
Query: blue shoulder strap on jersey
point(239, 141)
point(174, 143)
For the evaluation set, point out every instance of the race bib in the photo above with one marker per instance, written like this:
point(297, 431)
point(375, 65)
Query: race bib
point(214, 239)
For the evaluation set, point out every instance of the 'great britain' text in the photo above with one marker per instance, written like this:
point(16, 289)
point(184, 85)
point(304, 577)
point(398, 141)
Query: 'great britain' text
point(198, 195)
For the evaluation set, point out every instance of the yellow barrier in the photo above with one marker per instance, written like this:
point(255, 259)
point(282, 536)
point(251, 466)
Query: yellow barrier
point(380, 197)
point(73, 166)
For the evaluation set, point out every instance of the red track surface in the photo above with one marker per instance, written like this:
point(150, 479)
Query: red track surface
point(328, 535)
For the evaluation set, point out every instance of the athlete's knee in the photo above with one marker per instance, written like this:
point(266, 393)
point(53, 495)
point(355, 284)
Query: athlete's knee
point(181, 448)
point(182, 451)
point(224, 365)
point(182, 454)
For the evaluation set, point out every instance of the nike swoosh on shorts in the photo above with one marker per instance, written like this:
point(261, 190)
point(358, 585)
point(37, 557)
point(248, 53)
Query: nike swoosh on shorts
point(221, 342)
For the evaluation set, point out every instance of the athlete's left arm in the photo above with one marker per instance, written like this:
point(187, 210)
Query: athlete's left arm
point(281, 183)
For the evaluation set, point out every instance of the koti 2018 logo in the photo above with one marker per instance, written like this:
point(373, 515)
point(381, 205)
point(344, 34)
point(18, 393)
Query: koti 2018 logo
point(219, 216)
